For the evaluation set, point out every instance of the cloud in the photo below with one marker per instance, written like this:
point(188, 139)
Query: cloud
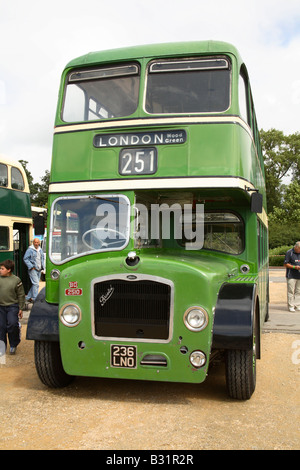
point(38, 39)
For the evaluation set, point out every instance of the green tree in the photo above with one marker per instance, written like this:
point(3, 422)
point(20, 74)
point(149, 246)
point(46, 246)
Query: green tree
point(282, 167)
point(41, 191)
point(282, 159)
point(38, 191)
point(284, 221)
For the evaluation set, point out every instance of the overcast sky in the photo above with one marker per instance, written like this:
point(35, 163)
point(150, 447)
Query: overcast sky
point(39, 38)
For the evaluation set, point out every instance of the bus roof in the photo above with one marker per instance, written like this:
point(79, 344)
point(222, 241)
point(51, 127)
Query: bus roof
point(152, 50)
point(10, 161)
point(14, 163)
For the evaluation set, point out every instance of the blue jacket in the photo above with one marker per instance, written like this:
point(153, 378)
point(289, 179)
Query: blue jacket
point(30, 258)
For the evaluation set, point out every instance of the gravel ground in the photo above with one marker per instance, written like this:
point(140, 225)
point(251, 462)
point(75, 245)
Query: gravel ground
point(127, 415)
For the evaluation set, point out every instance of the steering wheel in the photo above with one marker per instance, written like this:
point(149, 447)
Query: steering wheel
point(102, 243)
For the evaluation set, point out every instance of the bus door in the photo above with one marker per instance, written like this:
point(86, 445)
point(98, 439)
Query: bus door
point(21, 243)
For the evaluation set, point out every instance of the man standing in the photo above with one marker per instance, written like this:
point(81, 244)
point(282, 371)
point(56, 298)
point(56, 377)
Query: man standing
point(34, 260)
point(292, 265)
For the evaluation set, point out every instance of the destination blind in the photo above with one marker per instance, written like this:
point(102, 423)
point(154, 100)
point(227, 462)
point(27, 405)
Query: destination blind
point(140, 138)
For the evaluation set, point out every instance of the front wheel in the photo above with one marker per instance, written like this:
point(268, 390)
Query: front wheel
point(240, 373)
point(49, 366)
point(241, 366)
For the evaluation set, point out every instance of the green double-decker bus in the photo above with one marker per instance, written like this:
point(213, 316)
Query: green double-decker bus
point(157, 228)
point(15, 215)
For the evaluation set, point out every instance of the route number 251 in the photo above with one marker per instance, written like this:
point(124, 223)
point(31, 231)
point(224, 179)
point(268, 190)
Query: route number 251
point(138, 161)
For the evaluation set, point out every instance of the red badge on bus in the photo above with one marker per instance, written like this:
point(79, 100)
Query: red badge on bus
point(73, 289)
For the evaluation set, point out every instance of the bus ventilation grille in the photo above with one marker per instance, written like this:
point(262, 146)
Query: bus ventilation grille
point(132, 309)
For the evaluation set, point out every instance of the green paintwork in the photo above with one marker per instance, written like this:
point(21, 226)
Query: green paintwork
point(196, 282)
point(164, 50)
point(208, 149)
point(225, 149)
point(14, 203)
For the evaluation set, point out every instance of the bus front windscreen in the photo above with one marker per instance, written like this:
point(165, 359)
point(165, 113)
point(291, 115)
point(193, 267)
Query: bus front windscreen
point(188, 86)
point(103, 93)
point(85, 224)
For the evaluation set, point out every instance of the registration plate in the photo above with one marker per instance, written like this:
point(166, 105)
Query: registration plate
point(123, 356)
point(138, 161)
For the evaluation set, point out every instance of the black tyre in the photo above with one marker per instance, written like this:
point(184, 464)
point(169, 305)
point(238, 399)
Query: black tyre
point(49, 366)
point(241, 365)
point(240, 373)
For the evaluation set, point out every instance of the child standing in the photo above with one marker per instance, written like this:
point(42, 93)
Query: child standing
point(12, 302)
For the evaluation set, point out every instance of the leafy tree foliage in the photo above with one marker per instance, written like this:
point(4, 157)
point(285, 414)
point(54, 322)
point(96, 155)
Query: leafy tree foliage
point(41, 191)
point(282, 167)
point(282, 159)
point(38, 191)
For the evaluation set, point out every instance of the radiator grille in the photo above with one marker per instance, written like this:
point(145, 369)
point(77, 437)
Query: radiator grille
point(132, 309)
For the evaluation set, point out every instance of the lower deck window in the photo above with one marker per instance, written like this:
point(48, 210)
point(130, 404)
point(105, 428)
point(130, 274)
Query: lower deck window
point(166, 221)
point(223, 231)
point(4, 239)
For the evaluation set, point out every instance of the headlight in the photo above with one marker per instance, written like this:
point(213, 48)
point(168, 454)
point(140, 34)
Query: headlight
point(197, 359)
point(195, 318)
point(70, 315)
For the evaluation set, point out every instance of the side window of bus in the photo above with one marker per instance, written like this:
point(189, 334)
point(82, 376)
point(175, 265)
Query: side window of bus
point(17, 181)
point(3, 175)
point(4, 239)
point(247, 110)
point(243, 98)
point(262, 242)
point(223, 231)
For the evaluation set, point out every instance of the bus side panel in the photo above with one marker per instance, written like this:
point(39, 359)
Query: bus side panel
point(43, 320)
point(5, 201)
point(233, 324)
point(20, 203)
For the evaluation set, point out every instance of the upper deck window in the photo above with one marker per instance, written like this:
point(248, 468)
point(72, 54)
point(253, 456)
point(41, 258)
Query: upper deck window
point(188, 86)
point(17, 180)
point(101, 93)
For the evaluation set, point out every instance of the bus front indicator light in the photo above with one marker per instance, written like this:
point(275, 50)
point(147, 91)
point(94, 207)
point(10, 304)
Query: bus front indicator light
point(70, 315)
point(55, 273)
point(197, 359)
point(195, 319)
